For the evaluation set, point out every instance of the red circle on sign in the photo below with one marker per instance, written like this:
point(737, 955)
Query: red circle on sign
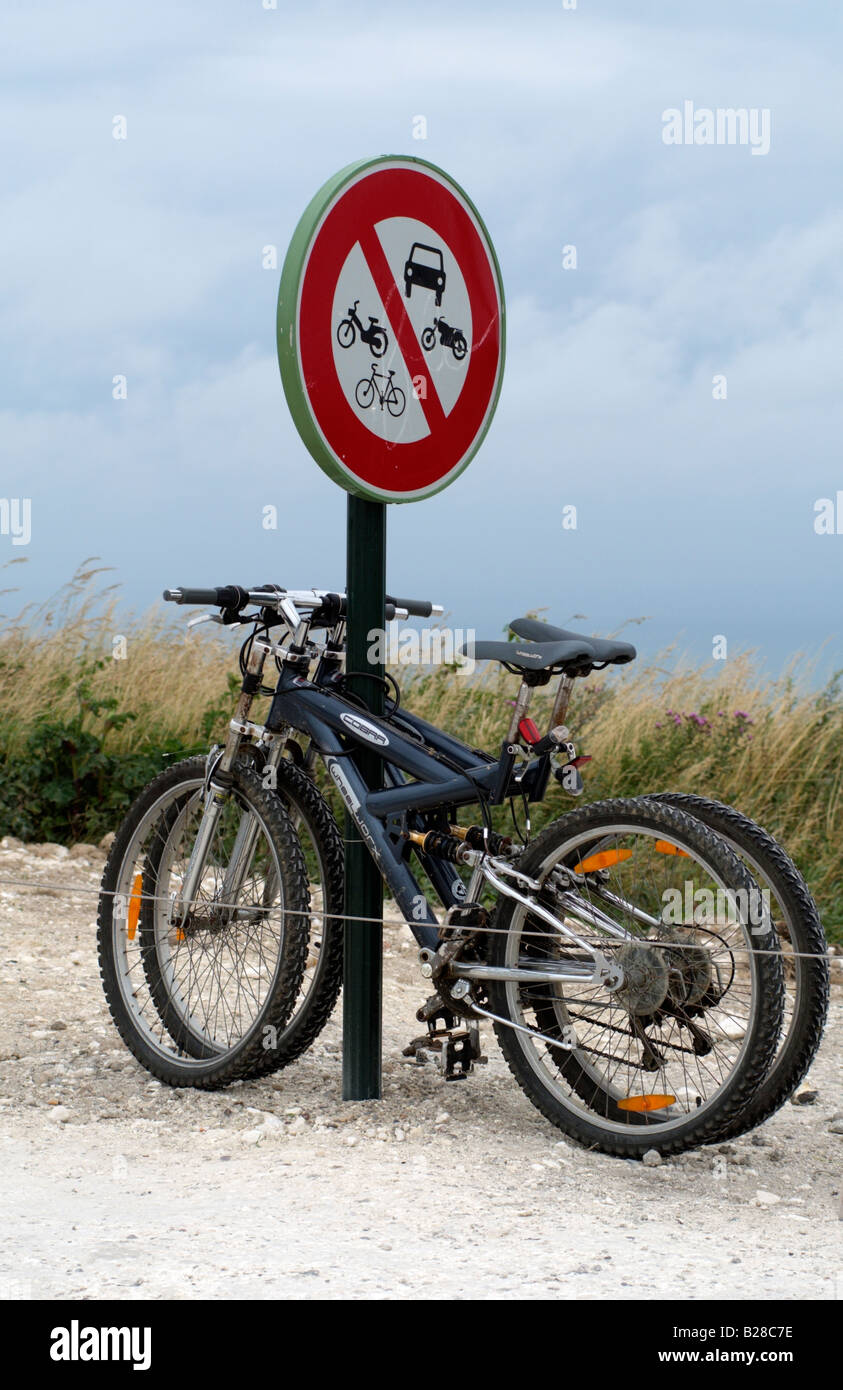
point(392, 466)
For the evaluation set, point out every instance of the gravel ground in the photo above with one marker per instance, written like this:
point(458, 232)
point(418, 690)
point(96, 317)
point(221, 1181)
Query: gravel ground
point(114, 1185)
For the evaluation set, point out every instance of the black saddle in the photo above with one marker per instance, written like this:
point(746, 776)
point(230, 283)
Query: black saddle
point(569, 654)
point(606, 652)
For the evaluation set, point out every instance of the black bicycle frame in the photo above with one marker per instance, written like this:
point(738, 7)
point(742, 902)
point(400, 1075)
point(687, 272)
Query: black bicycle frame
point(337, 726)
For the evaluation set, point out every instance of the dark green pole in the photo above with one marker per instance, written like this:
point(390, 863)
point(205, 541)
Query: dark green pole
point(363, 965)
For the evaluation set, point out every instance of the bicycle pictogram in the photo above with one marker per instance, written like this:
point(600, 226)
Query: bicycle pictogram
point(375, 336)
point(392, 396)
point(450, 337)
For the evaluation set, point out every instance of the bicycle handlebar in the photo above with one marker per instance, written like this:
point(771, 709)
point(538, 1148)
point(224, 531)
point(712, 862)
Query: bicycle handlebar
point(417, 607)
point(228, 596)
point(331, 606)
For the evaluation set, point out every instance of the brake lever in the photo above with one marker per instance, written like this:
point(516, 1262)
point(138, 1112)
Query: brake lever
point(204, 618)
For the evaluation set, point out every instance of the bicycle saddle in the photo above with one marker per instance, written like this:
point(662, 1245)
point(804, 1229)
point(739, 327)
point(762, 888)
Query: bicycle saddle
point(604, 649)
point(574, 653)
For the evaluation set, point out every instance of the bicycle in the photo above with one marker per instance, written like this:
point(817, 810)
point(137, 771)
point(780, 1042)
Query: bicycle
point(627, 1032)
point(392, 396)
point(796, 921)
point(375, 336)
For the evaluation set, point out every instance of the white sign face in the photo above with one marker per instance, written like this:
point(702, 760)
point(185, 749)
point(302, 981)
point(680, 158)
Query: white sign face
point(375, 379)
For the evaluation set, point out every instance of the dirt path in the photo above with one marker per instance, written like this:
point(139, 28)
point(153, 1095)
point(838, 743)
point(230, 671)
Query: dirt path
point(113, 1185)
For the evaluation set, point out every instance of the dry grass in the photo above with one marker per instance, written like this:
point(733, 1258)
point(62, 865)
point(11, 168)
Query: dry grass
point(773, 748)
point(168, 677)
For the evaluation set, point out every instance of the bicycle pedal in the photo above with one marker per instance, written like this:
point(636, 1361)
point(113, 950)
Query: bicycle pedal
point(454, 1050)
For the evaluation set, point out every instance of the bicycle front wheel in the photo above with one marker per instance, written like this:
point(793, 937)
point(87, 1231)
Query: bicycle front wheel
point(674, 1054)
point(323, 852)
point(199, 998)
point(364, 393)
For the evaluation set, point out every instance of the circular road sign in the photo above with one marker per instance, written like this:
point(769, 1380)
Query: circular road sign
point(391, 329)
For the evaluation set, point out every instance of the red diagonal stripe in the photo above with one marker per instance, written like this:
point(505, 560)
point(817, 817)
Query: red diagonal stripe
point(393, 302)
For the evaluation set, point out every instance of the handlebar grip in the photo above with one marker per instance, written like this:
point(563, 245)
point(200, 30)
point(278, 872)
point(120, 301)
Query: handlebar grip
point(415, 607)
point(228, 596)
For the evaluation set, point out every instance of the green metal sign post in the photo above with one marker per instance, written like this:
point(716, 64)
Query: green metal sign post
point(392, 400)
point(363, 965)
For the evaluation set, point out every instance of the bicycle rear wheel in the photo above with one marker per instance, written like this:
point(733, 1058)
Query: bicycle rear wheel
point(800, 934)
point(197, 999)
point(673, 1055)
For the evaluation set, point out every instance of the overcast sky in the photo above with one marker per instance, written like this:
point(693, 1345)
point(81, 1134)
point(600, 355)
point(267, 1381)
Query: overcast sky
point(143, 257)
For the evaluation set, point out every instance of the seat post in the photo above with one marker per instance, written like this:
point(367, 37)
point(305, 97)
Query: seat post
point(560, 704)
point(522, 704)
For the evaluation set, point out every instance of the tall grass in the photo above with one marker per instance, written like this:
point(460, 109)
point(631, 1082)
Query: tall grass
point(81, 731)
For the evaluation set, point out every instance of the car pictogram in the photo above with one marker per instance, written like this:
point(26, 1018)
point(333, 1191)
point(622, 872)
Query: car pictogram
point(424, 267)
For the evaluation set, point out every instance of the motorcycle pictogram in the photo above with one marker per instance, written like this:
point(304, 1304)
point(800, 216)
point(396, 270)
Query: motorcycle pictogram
point(450, 337)
point(374, 336)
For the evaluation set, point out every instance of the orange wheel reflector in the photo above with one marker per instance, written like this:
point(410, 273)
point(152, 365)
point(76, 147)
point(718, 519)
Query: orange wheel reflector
point(665, 847)
point(134, 905)
point(604, 860)
point(646, 1102)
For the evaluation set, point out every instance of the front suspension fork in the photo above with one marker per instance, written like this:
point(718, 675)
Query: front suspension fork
point(217, 795)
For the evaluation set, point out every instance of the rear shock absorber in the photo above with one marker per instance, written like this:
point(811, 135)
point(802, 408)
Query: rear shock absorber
point(456, 846)
point(439, 845)
point(480, 837)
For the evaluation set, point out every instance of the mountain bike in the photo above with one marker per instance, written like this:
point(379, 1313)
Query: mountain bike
point(627, 1027)
point(375, 336)
point(794, 916)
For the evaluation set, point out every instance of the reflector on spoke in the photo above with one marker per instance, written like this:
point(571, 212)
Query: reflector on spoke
point(665, 847)
point(134, 905)
point(646, 1102)
point(604, 860)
